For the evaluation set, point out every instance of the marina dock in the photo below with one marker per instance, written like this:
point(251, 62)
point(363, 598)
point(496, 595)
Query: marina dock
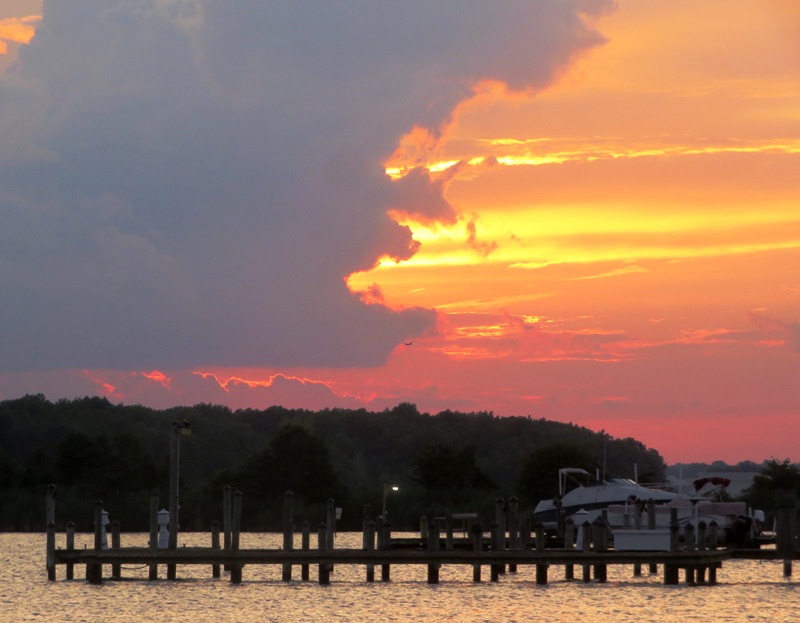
point(583, 553)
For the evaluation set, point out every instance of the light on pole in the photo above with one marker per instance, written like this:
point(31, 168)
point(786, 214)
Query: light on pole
point(178, 429)
point(386, 488)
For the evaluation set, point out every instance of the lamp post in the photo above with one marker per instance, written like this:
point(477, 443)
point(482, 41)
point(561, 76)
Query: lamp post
point(178, 429)
point(386, 488)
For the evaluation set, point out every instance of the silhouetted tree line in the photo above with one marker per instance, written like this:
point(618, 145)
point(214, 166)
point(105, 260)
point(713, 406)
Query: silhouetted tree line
point(91, 448)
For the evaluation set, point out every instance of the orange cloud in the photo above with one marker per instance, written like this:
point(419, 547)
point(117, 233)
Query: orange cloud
point(19, 29)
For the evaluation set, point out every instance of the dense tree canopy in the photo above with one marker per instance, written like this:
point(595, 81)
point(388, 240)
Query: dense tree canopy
point(90, 447)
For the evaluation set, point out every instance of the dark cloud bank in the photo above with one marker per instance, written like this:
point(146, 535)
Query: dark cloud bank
point(187, 182)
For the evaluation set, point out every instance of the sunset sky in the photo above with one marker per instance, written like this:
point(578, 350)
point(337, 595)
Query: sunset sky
point(583, 211)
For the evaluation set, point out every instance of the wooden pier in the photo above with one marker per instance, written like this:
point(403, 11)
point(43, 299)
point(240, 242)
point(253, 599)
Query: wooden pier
point(502, 550)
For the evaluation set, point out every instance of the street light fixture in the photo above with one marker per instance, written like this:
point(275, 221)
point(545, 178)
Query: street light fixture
point(178, 429)
point(386, 488)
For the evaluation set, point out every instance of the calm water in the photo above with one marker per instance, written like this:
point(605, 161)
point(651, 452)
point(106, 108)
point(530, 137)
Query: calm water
point(747, 591)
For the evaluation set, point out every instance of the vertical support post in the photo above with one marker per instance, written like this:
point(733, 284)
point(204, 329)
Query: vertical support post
point(94, 572)
point(600, 531)
point(513, 529)
point(215, 545)
point(174, 484)
point(651, 525)
point(541, 568)
point(423, 529)
point(70, 528)
point(227, 515)
point(433, 546)
point(386, 544)
point(500, 518)
point(153, 544)
point(785, 518)
point(236, 528)
point(586, 542)
point(51, 551)
point(288, 533)
point(116, 568)
point(306, 545)
point(369, 546)
point(688, 536)
point(494, 568)
point(477, 546)
point(324, 569)
point(671, 575)
point(569, 543)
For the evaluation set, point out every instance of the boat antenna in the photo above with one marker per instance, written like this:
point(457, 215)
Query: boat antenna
point(604, 455)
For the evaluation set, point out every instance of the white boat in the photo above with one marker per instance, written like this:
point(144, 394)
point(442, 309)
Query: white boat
point(584, 498)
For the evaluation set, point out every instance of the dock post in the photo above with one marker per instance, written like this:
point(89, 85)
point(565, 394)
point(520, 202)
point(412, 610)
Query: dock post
point(215, 545)
point(51, 551)
point(785, 518)
point(227, 514)
point(153, 545)
point(477, 546)
point(586, 542)
point(306, 545)
point(569, 543)
point(369, 546)
point(500, 510)
point(702, 536)
point(70, 529)
point(713, 539)
point(494, 531)
point(51, 532)
point(94, 572)
point(688, 537)
point(288, 533)
point(513, 529)
point(116, 568)
point(330, 518)
point(433, 546)
point(600, 535)
point(386, 544)
point(671, 571)
point(541, 568)
point(651, 525)
point(236, 528)
point(324, 568)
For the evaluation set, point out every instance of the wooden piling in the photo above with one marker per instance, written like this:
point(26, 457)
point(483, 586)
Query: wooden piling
point(689, 544)
point(386, 544)
point(51, 551)
point(227, 516)
point(369, 545)
point(494, 538)
point(70, 529)
point(477, 546)
point(116, 568)
point(215, 544)
point(500, 518)
point(288, 533)
point(324, 569)
point(305, 543)
point(785, 518)
point(236, 527)
point(600, 537)
point(671, 571)
point(541, 568)
point(651, 525)
point(569, 543)
point(513, 529)
point(94, 572)
point(153, 544)
point(586, 541)
point(433, 546)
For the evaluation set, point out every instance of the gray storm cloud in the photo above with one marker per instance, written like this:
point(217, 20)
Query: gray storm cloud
point(187, 182)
